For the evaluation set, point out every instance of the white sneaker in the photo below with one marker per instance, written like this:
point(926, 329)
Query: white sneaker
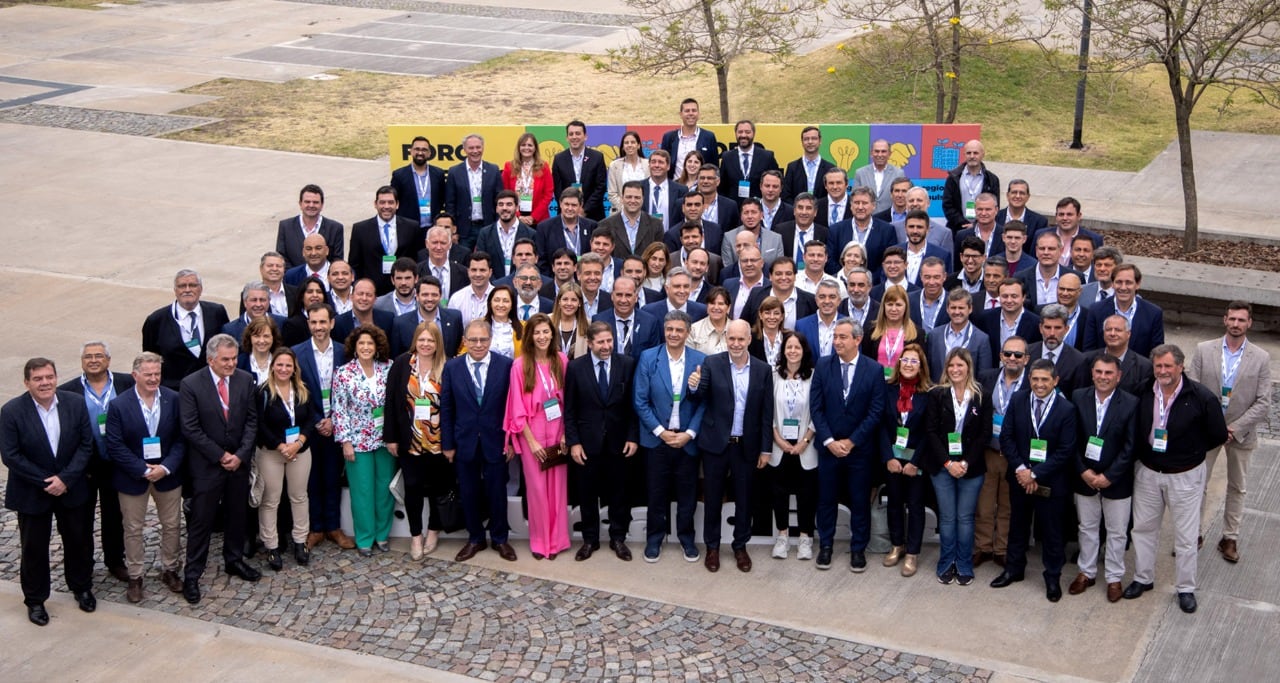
point(780, 545)
point(806, 548)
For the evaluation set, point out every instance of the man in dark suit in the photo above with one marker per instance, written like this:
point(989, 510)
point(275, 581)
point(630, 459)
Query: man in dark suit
point(991, 519)
point(177, 332)
point(318, 358)
point(1077, 316)
point(896, 211)
point(819, 328)
point(691, 239)
point(377, 242)
point(473, 398)
point(435, 261)
point(927, 306)
point(1041, 282)
point(775, 210)
point(583, 168)
point(46, 442)
point(528, 303)
point(1067, 227)
point(860, 307)
point(802, 229)
point(315, 254)
point(1011, 319)
point(663, 197)
point(566, 231)
point(958, 331)
point(291, 231)
point(144, 443)
point(98, 387)
point(716, 207)
point(782, 283)
point(601, 431)
point(736, 437)
point(1146, 320)
point(471, 191)
point(219, 423)
point(679, 287)
point(712, 236)
point(1136, 373)
point(846, 402)
point(688, 138)
point(1103, 484)
point(498, 239)
point(833, 204)
point(1072, 367)
point(429, 310)
point(875, 236)
point(634, 330)
point(1038, 438)
point(255, 299)
point(806, 173)
point(985, 229)
point(963, 185)
point(1018, 193)
point(742, 166)
point(632, 229)
point(420, 184)
point(362, 312)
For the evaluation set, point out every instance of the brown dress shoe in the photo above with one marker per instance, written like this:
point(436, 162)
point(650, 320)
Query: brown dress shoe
point(505, 551)
point(981, 557)
point(314, 539)
point(171, 580)
point(468, 551)
point(584, 553)
point(1229, 551)
point(712, 561)
point(1080, 584)
point(743, 559)
point(620, 549)
point(341, 539)
point(1114, 591)
point(134, 592)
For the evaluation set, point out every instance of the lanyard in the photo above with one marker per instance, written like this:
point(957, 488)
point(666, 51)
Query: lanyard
point(1003, 397)
point(961, 408)
point(566, 345)
point(771, 348)
point(290, 407)
point(508, 241)
point(548, 386)
point(972, 184)
point(895, 346)
point(423, 183)
point(107, 394)
point(152, 414)
point(964, 340)
point(191, 316)
point(793, 388)
point(1163, 408)
point(629, 330)
point(1048, 407)
point(1229, 369)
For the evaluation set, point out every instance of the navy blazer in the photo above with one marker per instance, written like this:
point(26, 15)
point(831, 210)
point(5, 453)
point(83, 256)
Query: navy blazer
point(346, 324)
point(1146, 332)
point(974, 434)
point(405, 182)
point(161, 335)
point(989, 320)
point(929, 250)
point(660, 308)
point(24, 448)
point(712, 237)
point(457, 199)
point(549, 238)
point(465, 423)
point(979, 346)
point(727, 215)
point(808, 326)
point(1136, 373)
point(1119, 435)
point(653, 396)
point(707, 144)
point(1034, 222)
point(594, 180)
point(716, 392)
point(787, 231)
point(209, 434)
point(1028, 277)
point(310, 371)
point(602, 425)
point(126, 428)
point(873, 308)
point(915, 310)
point(448, 320)
point(796, 180)
point(674, 193)
point(731, 172)
point(881, 236)
point(488, 241)
point(996, 246)
point(857, 418)
point(289, 239)
point(1059, 430)
point(646, 332)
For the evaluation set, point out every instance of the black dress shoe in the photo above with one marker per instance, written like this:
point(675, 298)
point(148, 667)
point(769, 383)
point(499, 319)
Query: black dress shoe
point(1005, 579)
point(619, 548)
point(301, 554)
point(1053, 589)
point(584, 553)
point(824, 557)
point(1135, 589)
point(191, 591)
point(242, 569)
point(857, 561)
point(86, 601)
point(1187, 602)
point(38, 615)
point(273, 559)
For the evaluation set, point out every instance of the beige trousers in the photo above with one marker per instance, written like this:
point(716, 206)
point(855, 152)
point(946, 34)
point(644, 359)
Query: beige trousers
point(272, 468)
point(133, 513)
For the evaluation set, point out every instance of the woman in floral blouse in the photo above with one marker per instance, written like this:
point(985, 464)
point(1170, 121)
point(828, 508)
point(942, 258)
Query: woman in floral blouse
point(359, 395)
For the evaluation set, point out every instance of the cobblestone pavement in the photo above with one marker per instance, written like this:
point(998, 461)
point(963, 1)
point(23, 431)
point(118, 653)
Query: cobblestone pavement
point(502, 626)
point(100, 120)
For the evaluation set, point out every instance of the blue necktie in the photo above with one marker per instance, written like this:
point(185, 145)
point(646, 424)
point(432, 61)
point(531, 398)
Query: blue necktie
point(835, 212)
point(603, 380)
point(476, 370)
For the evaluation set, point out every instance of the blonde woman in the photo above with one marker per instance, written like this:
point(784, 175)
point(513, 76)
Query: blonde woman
point(286, 424)
point(530, 178)
point(569, 320)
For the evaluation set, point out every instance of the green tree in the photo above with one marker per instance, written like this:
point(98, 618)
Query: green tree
point(679, 35)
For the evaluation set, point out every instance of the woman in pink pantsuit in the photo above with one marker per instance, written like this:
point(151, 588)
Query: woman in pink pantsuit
point(533, 423)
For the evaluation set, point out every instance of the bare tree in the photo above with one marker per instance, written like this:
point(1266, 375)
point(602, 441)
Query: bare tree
point(1202, 44)
point(679, 35)
point(932, 36)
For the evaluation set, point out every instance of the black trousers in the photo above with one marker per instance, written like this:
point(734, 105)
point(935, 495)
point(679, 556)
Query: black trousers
point(483, 478)
point(602, 477)
point(108, 501)
point(231, 489)
point(670, 469)
point(1047, 514)
point(76, 531)
point(905, 510)
point(426, 478)
point(788, 478)
point(738, 466)
point(324, 487)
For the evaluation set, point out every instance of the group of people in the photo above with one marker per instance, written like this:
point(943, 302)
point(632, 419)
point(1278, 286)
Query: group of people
point(470, 345)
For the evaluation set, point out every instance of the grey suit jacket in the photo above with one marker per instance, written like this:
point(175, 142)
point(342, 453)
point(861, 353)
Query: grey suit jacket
point(770, 247)
point(1251, 394)
point(866, 177)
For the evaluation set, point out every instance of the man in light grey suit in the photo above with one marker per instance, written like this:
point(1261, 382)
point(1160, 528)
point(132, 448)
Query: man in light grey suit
point(751, 213)
point(1239, 373)
point(878, 175)
point(958, 332)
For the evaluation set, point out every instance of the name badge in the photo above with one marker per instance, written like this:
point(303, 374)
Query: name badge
point(954, 447)
point(1093, 450)
point(900, 441)
point(675, 398)
point(791, 429)
point(151, 450)
point(1039, 450)
point(552, 408)
point(1226, 397)
point(475, 200)
point(657, 216)
point(377, 418)
point(997, 422)
point(424, 206)
point(506, 262)
point(102, 424)
point(969, 211)
point(325, 402)
point(291, 435)
point(577, 185)
point(744, 189)
point(422, 409)
point(387, 261)
point(888, 373)
point(192, 343)
point(1160, 443)
point(526, 203)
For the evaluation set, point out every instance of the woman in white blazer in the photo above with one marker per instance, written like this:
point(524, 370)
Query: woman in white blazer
point(630, 165)
point(794, 465)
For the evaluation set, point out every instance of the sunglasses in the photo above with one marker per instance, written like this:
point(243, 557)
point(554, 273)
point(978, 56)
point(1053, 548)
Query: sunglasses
point(1013, 354)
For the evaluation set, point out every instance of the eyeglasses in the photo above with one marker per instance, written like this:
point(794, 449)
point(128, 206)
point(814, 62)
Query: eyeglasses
point(908, 361)
point(477, 340)
point(1013, 354)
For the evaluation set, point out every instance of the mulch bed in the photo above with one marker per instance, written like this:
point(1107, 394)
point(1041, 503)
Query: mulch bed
point(1215, 252)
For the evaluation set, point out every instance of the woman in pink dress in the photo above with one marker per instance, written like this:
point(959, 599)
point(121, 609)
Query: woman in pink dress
point(534, 422)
